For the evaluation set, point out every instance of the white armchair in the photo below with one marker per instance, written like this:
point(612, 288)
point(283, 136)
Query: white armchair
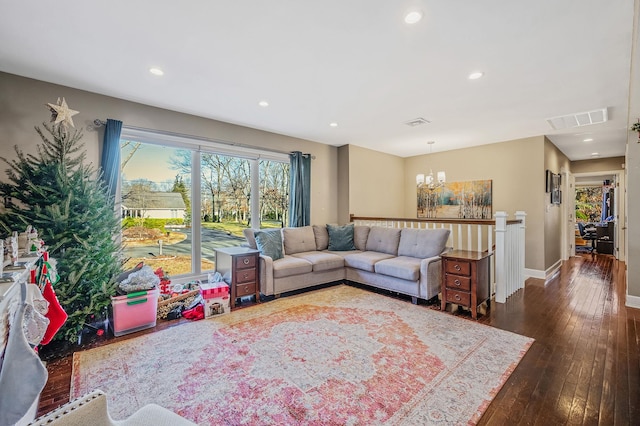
point(91, 409)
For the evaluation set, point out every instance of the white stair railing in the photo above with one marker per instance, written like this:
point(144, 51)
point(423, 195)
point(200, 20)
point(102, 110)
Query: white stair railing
point(508, 253)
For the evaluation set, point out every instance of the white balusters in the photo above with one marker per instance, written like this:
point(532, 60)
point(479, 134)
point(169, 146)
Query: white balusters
point(508, 260)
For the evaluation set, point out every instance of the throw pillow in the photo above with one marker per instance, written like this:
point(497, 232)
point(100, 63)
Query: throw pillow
point(270, 243)
point(249, 234)
point(322, 237)
point(341, 237)
point(360, 235)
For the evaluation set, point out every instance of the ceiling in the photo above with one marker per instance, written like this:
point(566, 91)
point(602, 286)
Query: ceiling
point(355, 63)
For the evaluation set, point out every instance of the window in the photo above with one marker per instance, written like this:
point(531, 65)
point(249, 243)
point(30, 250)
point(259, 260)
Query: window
point(590, 201)
point(168, 222)
point(274, 194)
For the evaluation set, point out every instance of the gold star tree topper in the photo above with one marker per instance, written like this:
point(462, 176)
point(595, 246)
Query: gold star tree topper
point(61, 114)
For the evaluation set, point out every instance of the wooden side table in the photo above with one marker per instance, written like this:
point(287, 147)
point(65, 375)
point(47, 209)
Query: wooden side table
point(465, 279)
point(240, 267)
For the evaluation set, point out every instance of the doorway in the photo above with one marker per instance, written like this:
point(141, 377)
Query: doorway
point(595, 208)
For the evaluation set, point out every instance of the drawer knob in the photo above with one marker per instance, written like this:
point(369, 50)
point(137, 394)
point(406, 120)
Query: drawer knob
point(245, 261)
point(246, 276)
point(457, 282)
point(456, 296)
point(456, 267)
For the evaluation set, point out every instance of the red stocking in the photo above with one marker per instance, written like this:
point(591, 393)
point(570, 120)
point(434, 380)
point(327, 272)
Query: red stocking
point(57, 316)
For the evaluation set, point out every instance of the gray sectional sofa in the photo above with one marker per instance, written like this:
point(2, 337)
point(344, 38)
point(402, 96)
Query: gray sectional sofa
point(404, 260)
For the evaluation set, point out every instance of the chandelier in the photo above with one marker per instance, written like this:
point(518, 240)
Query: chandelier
point(428, 181)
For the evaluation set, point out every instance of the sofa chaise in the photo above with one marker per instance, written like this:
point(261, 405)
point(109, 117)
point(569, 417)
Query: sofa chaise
point(405, 261)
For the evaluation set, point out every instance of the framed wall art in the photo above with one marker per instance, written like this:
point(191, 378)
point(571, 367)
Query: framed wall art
point(456, 200)
point(556, 192)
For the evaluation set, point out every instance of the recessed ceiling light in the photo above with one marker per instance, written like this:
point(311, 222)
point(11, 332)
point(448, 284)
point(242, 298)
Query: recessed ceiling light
point(156, 71)
point(413, 17)
point(263, 104)
point(334, 124)
point(588, 140)
point(475, 75)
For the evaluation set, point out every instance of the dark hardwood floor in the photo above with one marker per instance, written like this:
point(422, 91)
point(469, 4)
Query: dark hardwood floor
point(584, 367)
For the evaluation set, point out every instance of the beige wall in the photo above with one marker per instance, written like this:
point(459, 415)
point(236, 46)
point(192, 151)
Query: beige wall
point(554, 225)
point(343, 184)
point(374, 179)
point(345, 180)
point(597, 165)
point(516, 169)
point(632, 222)
point(22, 106)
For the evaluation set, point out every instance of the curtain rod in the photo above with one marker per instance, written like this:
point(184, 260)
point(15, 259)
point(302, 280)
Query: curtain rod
point(98, 122)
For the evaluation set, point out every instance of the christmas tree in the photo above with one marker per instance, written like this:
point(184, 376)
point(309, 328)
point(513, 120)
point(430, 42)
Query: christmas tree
point(68, 203)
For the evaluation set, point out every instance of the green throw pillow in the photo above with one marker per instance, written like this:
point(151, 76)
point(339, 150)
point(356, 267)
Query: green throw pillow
point(341, 237)
point(270, 243)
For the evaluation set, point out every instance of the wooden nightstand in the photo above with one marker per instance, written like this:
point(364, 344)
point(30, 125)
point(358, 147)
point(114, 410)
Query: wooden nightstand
point(465, 279)
point(240, 268)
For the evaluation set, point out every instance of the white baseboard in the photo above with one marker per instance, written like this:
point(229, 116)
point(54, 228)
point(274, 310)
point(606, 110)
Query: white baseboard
point(543, 275)
point(534, 273)
point(553, 269)
point(633, 301)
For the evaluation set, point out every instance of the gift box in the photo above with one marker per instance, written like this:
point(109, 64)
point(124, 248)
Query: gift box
point(215, 306)
point(210, 290)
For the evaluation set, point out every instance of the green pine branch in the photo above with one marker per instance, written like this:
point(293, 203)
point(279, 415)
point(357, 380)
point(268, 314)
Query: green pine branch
point(67, 202)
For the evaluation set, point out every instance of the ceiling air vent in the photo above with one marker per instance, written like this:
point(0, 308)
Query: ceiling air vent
point(578, 119)
point(416, 122)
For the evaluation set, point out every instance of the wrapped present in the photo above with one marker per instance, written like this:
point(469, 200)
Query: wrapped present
point(211, 290)
point(215, 306)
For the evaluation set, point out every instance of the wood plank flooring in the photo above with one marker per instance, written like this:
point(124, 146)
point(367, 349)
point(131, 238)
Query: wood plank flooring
point(584, 367)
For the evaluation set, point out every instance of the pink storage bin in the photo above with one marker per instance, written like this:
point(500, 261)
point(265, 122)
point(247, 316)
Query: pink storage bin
point(134, 311)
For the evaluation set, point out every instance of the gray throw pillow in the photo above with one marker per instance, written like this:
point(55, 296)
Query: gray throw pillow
point(322, 237)
point(341, 237)
point(360, 235)
point(270, 243)
point(249, 234)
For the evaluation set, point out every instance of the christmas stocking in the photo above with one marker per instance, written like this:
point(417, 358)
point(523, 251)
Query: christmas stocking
point(57, 316)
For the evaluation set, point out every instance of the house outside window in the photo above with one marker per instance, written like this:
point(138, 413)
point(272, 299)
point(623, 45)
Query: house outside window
point(182, 199)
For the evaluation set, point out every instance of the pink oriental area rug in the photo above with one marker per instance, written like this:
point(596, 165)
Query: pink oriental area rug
point(337, 356)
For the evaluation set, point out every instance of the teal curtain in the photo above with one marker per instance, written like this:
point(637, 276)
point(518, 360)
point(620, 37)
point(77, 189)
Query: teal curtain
point(300, 189)
point(110, 161)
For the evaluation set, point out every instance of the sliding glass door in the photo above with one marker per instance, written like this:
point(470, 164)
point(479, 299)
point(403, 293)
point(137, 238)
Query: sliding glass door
point(180, 203)
point(156, 207)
